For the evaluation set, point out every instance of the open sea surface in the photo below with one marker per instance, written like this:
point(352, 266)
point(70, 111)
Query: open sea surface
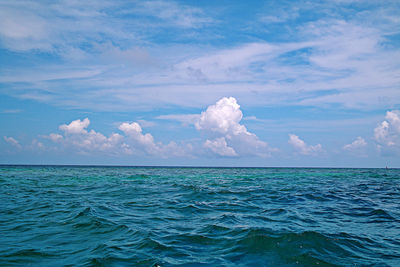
point(142, 216)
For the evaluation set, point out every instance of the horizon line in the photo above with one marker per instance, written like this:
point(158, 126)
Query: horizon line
point(189, 166)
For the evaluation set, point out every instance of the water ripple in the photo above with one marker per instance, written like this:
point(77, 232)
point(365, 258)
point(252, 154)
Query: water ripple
point(123, 216)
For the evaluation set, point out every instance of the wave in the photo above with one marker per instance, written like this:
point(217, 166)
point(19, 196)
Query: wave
point(195, 217)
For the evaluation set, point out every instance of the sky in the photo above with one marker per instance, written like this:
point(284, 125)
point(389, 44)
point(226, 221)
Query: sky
point(200, 83)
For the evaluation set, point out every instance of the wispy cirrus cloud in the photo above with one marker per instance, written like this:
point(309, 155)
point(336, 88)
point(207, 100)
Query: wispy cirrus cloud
point(11, 111)
point(324, 69)
point(173, 13)
point(186, 119)
point(54, 26)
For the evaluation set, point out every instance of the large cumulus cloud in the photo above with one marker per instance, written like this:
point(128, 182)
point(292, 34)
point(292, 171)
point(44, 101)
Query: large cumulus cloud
point(225, 135)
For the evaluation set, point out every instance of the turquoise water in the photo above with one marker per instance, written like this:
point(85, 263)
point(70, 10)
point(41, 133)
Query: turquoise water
point(141, 216)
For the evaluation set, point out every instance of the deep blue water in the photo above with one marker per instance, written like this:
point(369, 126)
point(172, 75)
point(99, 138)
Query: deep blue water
point(141, 216)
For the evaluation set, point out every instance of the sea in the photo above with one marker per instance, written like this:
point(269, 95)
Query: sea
point(183, 216)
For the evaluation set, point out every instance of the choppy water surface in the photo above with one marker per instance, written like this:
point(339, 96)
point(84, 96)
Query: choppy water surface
point(133, 216)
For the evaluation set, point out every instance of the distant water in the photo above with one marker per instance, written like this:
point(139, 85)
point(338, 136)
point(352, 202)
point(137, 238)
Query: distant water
point(141, 216)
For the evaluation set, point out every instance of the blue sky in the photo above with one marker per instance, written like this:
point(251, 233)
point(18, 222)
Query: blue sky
point(210, 83)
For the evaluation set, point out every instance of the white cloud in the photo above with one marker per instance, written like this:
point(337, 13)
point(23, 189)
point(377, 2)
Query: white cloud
point(75, 127)
point(146, 141)
point(21, 29)
point(356, 145)
point(177, 15)
point(12, 141)
point(220, 147)
point(146, 124)
point(323, 68)
point(36, 145)
point(301, 147)
point(387, 133)
point(223, 117)
point(94, 141)
point(251, 118)
point(51, 26)
point(222, 121)
point(394, 119)
point(76, 136)
point(183, 118)
point(56, 138)
point(350, 62)
point(11, 111)
point(138, 142)
point(381, 133)
point(62, 26)
point(229, 64)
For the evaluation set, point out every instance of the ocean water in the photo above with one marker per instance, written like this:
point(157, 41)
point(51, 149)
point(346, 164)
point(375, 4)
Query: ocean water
point(142, 216)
